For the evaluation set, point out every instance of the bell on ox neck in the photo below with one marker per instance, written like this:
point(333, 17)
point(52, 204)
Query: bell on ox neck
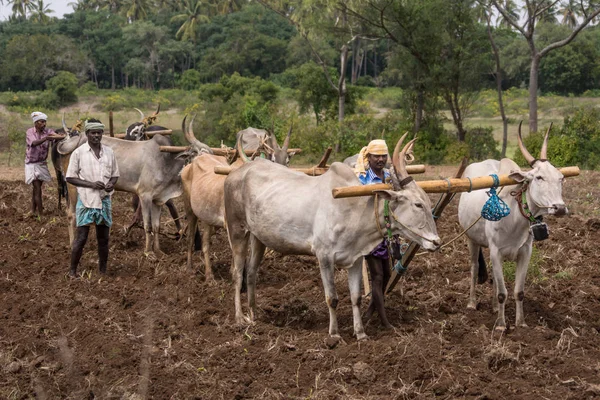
point(539, 231)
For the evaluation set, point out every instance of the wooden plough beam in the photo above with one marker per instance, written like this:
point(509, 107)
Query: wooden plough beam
point(453, 185)
point(314, 171)
point(149, 134)
point(217, 151)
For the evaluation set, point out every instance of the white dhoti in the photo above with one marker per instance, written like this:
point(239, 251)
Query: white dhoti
point(37, 171)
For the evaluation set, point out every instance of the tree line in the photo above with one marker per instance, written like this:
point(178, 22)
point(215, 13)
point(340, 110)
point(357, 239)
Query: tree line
point(439, 52)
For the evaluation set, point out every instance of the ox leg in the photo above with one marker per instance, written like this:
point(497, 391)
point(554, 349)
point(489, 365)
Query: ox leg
point(354, 280)
point(71, 203)
point(474, 253)
point(191, 235)
point(146, 204)
point(155, 215)
point(238, 240)
point(175, 215)
point(523, 258)
point(257, 251)
point(500, 292)
point(206, 233)
point(331, 298)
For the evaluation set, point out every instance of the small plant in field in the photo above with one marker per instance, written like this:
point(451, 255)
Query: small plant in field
point(565, 274)
point(24, 238)
point(534, 272)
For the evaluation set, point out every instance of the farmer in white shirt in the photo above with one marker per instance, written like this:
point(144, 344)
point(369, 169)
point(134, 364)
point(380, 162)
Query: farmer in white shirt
point(93, 170)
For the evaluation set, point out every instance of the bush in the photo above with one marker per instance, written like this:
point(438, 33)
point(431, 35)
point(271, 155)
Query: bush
point(64, 86)
point(481, 144)
point(190, 80)
point(577, 142)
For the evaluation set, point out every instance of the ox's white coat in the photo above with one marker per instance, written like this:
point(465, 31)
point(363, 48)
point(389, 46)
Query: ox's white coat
point(293, 213)
point(509, 238)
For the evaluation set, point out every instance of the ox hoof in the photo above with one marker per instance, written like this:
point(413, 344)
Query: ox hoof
point(500, 328)
point(244, 320)
point(333, 341)
point(361, 337)
point(210, 281)
point(472, 305)
point(521, 325)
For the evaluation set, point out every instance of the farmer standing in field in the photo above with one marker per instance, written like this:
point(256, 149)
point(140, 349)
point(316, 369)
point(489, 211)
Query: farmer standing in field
point(94, 171)
point(36, 154)
point(370, 169)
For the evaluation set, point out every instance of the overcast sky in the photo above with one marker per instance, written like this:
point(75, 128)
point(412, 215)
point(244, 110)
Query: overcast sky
point(60, 8)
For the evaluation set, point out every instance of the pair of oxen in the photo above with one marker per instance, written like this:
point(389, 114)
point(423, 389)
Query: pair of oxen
point(264, 204)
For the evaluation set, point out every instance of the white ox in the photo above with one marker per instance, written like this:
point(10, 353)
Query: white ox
point(271, 206)
point(253, 139)
point(203, 191)
point(144, 170)
point(510, 238)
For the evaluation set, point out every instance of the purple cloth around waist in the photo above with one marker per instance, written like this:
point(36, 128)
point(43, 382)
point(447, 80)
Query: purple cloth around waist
point(381, 251)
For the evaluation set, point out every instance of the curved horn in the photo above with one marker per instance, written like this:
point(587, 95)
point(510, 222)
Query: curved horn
point(191, 138)
point(399, 164)
point(528, 157)
point(286, 142)
point(241, 152)
point(543, 155)
point(64, 125)
point(157, 111)
point(141, 113)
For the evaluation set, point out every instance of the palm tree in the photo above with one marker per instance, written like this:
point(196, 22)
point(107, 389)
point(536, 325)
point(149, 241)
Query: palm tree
point(569, 14)
point(512, 9)
point(549, 14)
point(223, 7)
point(136, 9)
point(39, 12)
point(192, 16)
point(482, 10)
point(20, 8)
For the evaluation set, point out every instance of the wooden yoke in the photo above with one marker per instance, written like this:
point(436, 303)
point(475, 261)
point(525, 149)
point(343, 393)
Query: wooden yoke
point(453, 185)
point(150, 134)
point(218, 151)
point(315, 171)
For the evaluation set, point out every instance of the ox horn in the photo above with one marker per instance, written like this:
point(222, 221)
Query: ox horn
point(240, 151)
point(191, 138)
point(157, 111)
point(399, 159)
point(64, 125)
point(286, 142)
point(543, 155)
point(528, 157)
point(141, 113)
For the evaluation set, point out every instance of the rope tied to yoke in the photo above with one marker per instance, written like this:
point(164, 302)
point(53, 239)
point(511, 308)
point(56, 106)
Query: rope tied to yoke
point(494, 208)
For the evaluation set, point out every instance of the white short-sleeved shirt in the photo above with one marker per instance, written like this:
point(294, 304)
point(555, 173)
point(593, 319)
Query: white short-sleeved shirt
point(84, 164)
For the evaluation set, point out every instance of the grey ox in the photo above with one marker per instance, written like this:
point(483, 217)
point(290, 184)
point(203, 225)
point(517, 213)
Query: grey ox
point(510, 238)
point(268, 205)
point(145, 170)
point(253, 139)
point(203, 190)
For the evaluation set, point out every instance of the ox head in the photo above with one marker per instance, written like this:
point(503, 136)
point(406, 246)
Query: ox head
point(544, 182)
point(196, 146)
point(410, 207)
point(276, 153)
point(137, 130)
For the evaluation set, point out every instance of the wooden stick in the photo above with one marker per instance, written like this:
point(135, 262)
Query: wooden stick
point(453, 185)
point(315, 171)
point(414, 247)
point(150, 134)
point(218, 151)
point(111, 126)
point(365, 273)
point(323, 162)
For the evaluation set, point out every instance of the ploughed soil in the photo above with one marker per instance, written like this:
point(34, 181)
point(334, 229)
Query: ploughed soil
point(151, 329)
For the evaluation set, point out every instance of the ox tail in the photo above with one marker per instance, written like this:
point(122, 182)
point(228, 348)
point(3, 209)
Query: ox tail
point(482, 275)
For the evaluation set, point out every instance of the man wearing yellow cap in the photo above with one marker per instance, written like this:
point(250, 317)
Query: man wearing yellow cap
point(370, 169)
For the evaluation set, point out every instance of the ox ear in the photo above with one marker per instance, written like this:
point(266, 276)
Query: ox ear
point(386, 194)
point(519, 176)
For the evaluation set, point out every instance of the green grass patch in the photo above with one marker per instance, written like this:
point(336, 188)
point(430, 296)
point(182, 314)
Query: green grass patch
point(534, 272)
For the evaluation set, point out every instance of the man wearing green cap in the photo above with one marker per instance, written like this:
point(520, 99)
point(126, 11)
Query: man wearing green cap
point(94, 171)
